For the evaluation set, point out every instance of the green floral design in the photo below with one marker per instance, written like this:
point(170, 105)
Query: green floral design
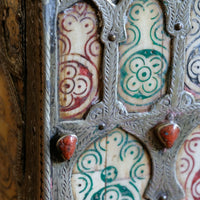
point(109, 174)
point(113, 192)
point(101, 171)
point(144, 55)
point(141, 74)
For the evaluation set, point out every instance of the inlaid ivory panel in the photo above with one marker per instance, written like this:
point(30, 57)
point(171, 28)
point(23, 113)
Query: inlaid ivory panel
point(99, 83)
point(188, 166)
point(192, 78)
point(144, 56)
point(114, 167)
point(79, 60)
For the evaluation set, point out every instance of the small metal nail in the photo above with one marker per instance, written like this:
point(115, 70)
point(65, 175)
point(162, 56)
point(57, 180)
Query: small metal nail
point(101, 126)
point(178, 26)
point(163, 197)
point(112, 37)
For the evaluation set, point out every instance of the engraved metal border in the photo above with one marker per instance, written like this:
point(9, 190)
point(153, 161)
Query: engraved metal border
point(110, 112)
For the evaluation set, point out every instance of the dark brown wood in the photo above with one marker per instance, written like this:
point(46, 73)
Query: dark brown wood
point(12, 98)
point(34, 113)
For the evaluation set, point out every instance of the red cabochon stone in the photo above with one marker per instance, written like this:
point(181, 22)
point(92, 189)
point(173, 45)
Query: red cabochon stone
point(67, 146)
point(168, 133)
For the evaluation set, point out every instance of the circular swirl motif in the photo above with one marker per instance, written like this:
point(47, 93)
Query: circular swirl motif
point(109, 174)
point(114, 167)
point(136, 11)
point(79, 59)
point(188, 170)
point(144, 57)
point(133, 149)
point(195, 28)
point(74, 86)
point(193, 69)
point(113, 192)
point(192, 79)
point(137, 172)
point(143, 75)
point(185, 165)
point(84, 183)
point(196, 186)
point(77, 83)
point(89, 160)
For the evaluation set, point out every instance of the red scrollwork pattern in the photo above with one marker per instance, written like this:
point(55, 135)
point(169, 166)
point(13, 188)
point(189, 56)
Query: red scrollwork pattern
point(188, 167)
point(79, 60)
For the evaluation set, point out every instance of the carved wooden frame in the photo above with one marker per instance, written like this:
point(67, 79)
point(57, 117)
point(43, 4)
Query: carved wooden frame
point(110, 113)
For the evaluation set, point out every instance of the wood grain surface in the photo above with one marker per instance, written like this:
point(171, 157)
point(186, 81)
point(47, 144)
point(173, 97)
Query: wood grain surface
point(12, 98)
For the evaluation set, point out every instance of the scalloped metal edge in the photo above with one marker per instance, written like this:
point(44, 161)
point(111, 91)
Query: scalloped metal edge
point(110, 111)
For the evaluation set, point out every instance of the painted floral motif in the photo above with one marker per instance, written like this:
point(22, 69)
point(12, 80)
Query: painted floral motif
point(142, 76)
point(79, 60)
point(192, 79)
point(115, 167)
point(143, 56)
point(188, 166)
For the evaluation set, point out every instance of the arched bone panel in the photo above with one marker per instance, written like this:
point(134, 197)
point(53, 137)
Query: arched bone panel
point(79, 58)
point(144, 56)
point(114, 167)
point(188, 166)
point(192, 77)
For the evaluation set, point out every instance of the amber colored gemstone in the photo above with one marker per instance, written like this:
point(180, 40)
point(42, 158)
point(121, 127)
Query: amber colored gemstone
point(168, 132)
point(67, 145)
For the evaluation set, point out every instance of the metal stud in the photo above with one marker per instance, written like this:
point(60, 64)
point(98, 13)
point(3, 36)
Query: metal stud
point(163, 197)
point(178, 26)
point(112, 37)
point(101, 126)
